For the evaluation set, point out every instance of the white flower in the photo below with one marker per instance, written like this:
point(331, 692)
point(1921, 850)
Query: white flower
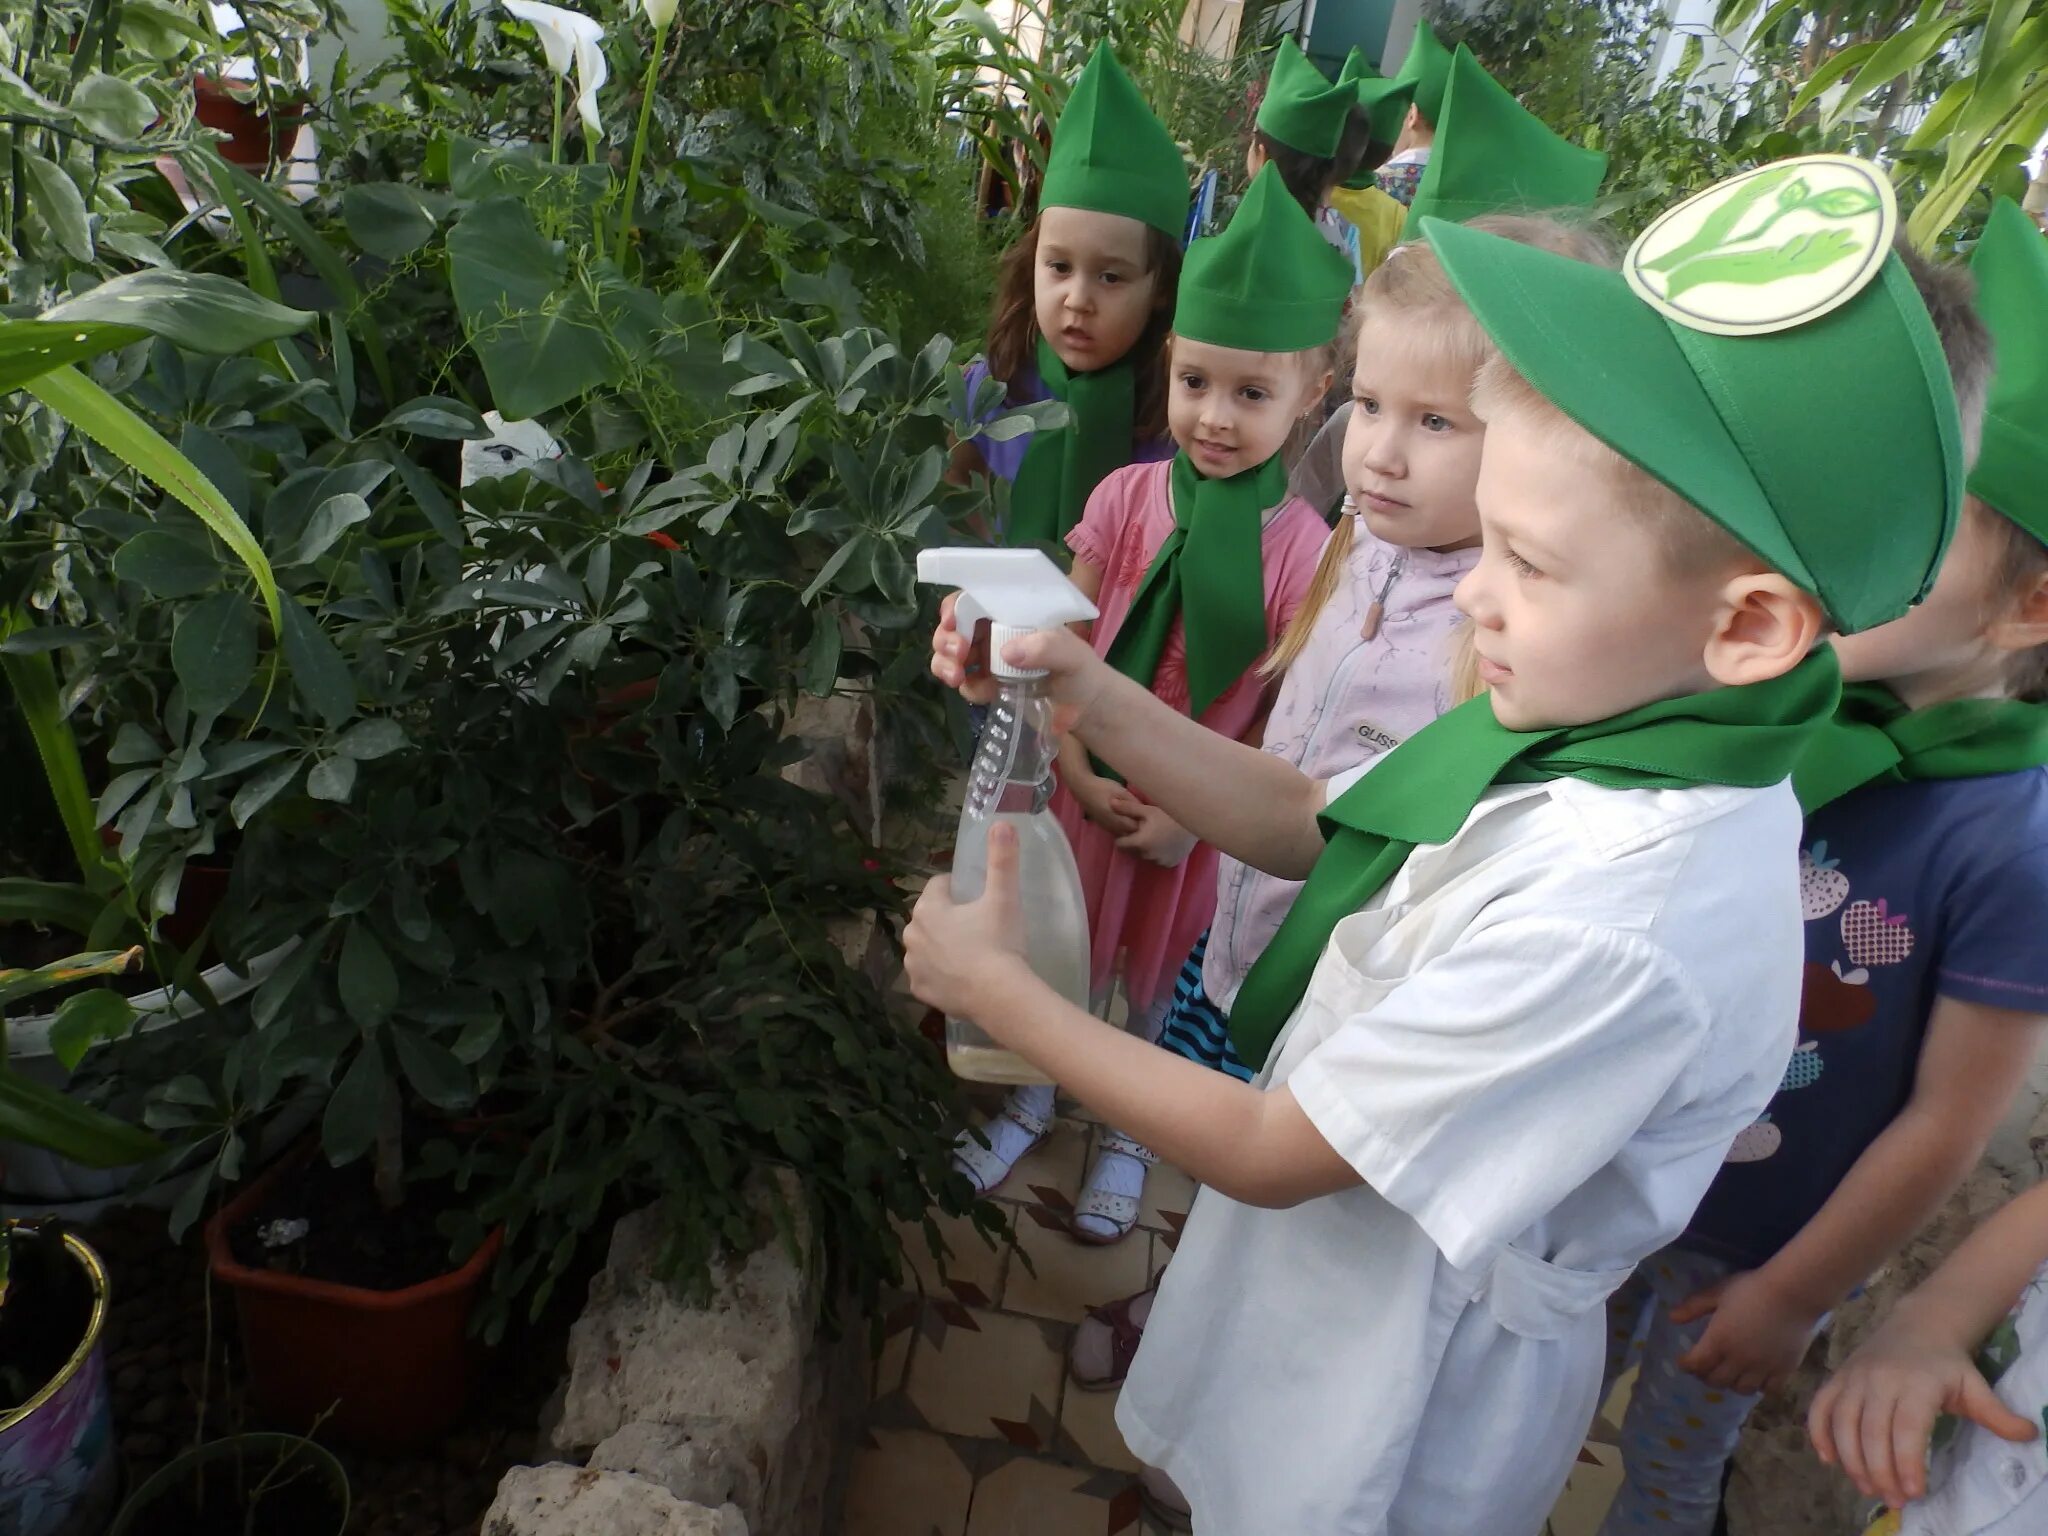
point(659, 12)
point(569, 38)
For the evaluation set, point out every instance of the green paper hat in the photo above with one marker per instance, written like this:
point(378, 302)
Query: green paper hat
point(2011, 268)
point(1269, 283)
point(1304, 109)
point(1385, 102)
point(1111, 155)
point(1766, 356)
point(1493, 155)
point(1428, 70)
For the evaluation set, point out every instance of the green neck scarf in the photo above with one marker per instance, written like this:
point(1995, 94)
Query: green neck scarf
point(1426, 787)
point(1063, 466)
point(1874, 738)
point(1209, 570)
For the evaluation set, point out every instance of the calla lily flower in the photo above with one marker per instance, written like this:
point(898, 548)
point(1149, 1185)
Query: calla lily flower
point(570, 40)
point(659, 12)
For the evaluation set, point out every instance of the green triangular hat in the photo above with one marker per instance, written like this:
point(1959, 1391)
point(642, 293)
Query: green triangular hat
point(1110, 154)
point(2011, 268)
point(1766, 356)
point(1304, 109)
point(1492, 155)
point(1428, 69)
point(1269, 283)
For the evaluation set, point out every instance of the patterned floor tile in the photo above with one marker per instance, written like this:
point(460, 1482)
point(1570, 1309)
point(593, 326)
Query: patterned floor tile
point(1065, 1278)
point(1088, 1431)
point(1169, 1194)
point(899, 1332)
point(905, 1483)
point(971, 1271)
point(1051, 1172)
point(1030, 1497)
point(979, 1373)
point(1588, 1493)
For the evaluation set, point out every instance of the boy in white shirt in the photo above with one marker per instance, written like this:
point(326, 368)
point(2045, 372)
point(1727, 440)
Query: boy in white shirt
point(1547, 963)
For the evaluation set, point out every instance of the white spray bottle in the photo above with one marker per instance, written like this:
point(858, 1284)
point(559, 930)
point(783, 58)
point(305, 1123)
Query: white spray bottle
point(1020, 591)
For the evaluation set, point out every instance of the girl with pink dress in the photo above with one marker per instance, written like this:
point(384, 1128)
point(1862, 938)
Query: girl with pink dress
point(1197, 566)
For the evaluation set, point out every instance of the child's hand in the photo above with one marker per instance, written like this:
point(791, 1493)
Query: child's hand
point(961, 661)
point(1757, 1337)
point(1874, 1417)
point(954, 952)
point(1075, 675)
point(1096, 795)
point(1158, 838)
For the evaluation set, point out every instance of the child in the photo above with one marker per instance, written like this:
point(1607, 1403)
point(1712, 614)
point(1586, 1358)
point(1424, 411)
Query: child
point(1548, 952)
point(1492, 153)
point(1082, 307)
point(1367, 661)
point(1197, 567)
point(1926, 977)
point(1426, 72)
point(1952, 1348)
point(1314, 131)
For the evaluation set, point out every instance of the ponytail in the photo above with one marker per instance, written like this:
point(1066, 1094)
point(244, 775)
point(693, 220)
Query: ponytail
point(1331, 569)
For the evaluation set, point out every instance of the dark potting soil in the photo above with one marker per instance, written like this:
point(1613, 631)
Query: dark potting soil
point(350, 1238)
point(292, 1498)
point(48, 1308)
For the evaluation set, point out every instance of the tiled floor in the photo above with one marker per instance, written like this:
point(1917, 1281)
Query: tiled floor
point(975, 1429)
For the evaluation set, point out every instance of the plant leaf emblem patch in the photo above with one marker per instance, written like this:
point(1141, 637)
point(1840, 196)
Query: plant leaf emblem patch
point(1768, 250)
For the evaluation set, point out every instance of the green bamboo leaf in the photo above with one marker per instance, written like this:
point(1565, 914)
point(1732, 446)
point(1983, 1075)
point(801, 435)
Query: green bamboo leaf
point(1934, 127)
point(17, 985)
point(1898, 54)
point(44, 1117)
point(1945, 198)
point(57, 904)
point(1828, 73)
point(2002, 85)
point(33, 681)
point(119, 430)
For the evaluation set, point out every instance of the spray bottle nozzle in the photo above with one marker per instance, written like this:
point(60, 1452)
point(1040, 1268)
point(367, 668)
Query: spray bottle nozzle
point(1018, 590)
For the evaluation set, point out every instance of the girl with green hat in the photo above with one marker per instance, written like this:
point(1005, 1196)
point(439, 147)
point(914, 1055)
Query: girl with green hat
point(1315, 132)
point(1197, 565)
point(1082, 309)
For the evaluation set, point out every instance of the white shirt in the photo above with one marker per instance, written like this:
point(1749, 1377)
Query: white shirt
point(1535, 1047)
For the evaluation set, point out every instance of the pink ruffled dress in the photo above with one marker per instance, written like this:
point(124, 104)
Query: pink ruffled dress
point(1152, 916)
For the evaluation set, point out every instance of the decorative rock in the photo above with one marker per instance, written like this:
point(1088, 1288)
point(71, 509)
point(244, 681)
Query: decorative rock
point(559, 1500)
point(736, 1400)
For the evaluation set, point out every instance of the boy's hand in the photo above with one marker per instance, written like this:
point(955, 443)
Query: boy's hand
point(1100, 802)
point(1875, 1416)
point(1156, 837)
point(1074, 674)
point(1757, 1337)
point(955, 952)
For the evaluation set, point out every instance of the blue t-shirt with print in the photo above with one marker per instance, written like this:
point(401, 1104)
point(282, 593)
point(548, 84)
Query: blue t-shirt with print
point(1910, 892)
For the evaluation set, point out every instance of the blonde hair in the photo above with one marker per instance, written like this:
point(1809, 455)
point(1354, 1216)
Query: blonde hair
point(1464, 666)
point(1439, 331)
point(1691, 541)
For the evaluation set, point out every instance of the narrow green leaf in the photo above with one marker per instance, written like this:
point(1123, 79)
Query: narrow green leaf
point(366, 978)
point(199, 311)
point(261, 790)
point(350, 1124)
point(46, 1117)
point(60, 204)
point(319, 672)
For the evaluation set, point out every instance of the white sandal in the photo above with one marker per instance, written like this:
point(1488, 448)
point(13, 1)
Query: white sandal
point(1118, 1212)
point(985, 1169)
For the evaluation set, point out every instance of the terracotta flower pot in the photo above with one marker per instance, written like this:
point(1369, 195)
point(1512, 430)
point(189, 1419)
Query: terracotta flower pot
point(256, 140)
point(395, 1367)
point(59, 1475)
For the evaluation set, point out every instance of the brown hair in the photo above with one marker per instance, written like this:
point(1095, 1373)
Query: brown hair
point(1950, 294)
point(1309, 178)
point(2022, 565)
point(1012, 346)
point(1412, 283)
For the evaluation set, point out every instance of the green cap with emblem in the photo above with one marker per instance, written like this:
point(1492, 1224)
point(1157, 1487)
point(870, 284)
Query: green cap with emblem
point(2011, 268)
point(1427, 72)
point(1766, 356)
point(1110, 154)
point(1492, 155)
point(1269, 283)
point(1305, 109)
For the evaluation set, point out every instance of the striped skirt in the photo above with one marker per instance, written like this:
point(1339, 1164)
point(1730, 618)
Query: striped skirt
point(1195, 1027)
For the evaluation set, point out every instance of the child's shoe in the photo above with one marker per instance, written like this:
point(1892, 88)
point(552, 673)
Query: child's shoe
point(1108, 1208)
point(1107, 1341)
point(1024, 1122)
